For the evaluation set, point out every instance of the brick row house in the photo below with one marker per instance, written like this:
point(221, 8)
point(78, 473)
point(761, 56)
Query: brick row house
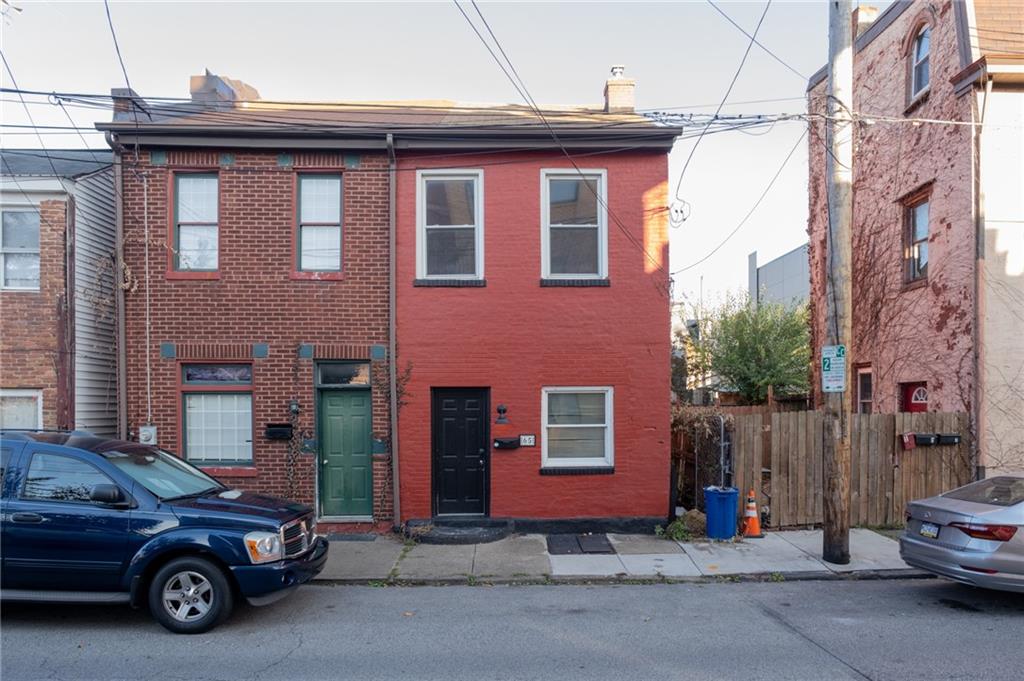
point(57, 315)
point(938, 265)
point(301, 272)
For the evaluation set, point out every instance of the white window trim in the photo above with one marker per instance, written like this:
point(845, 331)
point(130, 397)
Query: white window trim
point(916, 91)
point(602, 222)
point(860, 398)
point(421, 218)
point(22, 208)
point(608, 461)
point(27, 392)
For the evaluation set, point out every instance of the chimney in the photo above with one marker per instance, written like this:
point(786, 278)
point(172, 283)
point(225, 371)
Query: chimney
point(863, 16)
point(128, 105)
point(211, 89)
point(618, 92)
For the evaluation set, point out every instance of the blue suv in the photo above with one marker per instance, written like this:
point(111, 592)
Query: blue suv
point(89, 519)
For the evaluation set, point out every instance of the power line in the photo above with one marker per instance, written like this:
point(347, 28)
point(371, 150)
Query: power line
point(728, 91)
point(28, 113)
point(524, 91)
point(757, 42)
point(753, 208)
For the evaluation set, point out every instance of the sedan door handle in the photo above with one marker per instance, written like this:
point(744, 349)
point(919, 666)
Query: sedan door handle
point(26, 518)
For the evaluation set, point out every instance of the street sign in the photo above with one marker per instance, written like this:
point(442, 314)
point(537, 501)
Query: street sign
point(833, 368)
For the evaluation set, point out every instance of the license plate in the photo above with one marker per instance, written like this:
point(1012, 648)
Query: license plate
point(930, 530)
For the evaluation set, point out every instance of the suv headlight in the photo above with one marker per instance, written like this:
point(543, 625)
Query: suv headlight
point(263, 547)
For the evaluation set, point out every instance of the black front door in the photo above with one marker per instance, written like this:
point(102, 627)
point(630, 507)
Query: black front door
point(461, 439)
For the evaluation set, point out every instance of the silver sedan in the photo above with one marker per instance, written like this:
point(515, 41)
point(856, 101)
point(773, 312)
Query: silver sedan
point(973, 534)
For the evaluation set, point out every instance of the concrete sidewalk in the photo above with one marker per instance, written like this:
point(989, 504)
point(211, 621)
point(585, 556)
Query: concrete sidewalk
point(524, 558)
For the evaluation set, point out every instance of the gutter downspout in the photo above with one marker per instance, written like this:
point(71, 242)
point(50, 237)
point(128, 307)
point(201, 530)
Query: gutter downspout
point(392, 342)
point(122, 353)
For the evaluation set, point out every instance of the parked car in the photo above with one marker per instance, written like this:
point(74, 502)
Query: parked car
point(93, 520)
point(973, 534)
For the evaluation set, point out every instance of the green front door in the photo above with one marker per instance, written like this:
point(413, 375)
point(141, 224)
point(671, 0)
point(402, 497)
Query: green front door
point(346, 472)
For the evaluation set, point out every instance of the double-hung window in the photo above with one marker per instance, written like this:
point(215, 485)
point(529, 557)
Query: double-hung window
point(195, 222)
point(577, 427)
point(917, 241)
point(574, 239)
point(319, 236)
point(919, 73)
point(217, 408)
point(864, 390)
point(450, 225)
point(19, 249)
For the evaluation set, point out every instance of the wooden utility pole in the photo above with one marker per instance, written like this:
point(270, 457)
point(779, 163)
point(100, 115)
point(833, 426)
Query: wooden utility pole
point(836, 359)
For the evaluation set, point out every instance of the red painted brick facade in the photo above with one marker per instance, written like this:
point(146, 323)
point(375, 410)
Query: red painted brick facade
point(254, 299)
point(516, 337)
point(32, 323)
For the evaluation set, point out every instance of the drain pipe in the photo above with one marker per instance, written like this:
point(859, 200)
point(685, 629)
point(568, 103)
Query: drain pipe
point(119, 302)
point(392, 342)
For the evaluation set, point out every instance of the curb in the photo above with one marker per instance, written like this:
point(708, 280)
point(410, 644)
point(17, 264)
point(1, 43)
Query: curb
point(634, 580)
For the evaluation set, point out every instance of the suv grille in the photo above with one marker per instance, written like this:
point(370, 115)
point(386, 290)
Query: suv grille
point(298, 535)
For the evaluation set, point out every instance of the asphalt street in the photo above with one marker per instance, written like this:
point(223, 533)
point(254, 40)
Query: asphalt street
point(907, 629)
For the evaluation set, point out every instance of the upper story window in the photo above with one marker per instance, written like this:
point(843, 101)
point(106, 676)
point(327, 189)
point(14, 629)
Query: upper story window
point(919, 73)
point(917, 241)
point(574, 224)
point(319, 237)
point(450, 226)
point(195, 222)
point(19, 249)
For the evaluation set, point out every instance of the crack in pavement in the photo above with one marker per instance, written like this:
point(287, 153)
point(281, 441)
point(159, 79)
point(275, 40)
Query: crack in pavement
point(791, 627)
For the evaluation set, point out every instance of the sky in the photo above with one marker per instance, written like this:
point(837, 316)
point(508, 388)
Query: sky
point(683, 55)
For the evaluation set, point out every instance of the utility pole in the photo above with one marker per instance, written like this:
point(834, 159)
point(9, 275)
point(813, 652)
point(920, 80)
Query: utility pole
point(835, 357)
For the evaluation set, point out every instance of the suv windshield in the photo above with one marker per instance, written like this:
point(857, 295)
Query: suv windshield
point(163, 474)
point(1000, 491)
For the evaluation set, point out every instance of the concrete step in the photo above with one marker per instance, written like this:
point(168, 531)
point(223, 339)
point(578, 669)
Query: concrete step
point(458, 530)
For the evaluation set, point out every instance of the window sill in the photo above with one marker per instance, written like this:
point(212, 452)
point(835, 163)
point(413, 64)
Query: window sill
point(19, 290)
point(179, 274)
point(915, 102)
point(581, 470)
point(915, 284)
point(230, 471)
point(317, 276)
point(575, 283)
point(450, 283)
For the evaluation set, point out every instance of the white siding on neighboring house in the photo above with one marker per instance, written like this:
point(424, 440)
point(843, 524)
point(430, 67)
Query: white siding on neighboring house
point(95, 323)
point(1001, 417)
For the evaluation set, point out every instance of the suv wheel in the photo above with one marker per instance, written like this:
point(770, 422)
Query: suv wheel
point(190, 596)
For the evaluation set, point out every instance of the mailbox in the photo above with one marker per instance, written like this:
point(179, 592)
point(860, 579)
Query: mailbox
point(278, 431)
point(506, 442)
point(949, 438)
point(926, 439)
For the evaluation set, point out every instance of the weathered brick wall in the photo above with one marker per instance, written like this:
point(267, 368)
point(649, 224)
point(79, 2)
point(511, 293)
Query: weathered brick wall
point(907, 333)
point(30, 321)
point(516, 337)
point(256, 299)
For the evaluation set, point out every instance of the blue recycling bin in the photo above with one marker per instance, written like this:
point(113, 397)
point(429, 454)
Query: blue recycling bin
point(720, 507)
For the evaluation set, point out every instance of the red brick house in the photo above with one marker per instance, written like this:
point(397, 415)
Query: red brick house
point(57, 321)
point(938, 265)
point(282, 252)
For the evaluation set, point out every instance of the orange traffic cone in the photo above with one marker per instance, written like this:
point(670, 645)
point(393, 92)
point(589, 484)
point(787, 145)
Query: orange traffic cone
point(752, 521)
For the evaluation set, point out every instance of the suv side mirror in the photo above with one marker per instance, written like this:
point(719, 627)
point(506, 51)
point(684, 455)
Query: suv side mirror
point(107, 494)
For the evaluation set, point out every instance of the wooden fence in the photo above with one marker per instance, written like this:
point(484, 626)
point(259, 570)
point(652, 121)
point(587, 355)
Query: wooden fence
point(779, 456)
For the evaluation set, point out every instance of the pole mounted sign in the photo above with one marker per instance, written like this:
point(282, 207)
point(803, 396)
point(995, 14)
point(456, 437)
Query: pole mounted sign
point(833, 368)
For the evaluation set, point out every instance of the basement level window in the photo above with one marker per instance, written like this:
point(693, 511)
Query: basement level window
point(19, 249)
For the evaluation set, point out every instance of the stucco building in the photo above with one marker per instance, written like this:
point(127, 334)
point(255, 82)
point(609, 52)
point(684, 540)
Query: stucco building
point(938, 230)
